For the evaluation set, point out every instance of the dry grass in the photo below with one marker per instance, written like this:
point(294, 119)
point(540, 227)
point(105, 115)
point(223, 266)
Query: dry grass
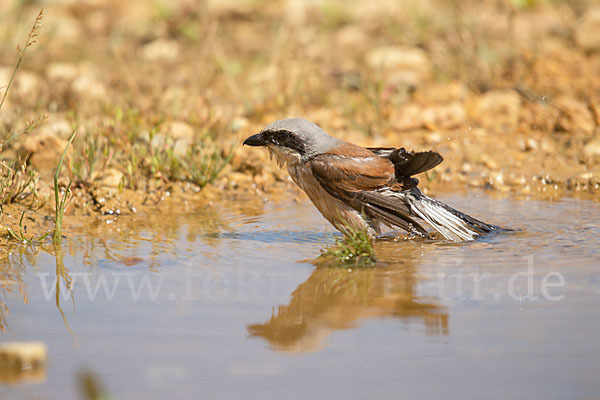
point(126, 75)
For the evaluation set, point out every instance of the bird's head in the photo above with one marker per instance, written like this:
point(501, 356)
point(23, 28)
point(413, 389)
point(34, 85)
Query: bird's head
point(292, 140)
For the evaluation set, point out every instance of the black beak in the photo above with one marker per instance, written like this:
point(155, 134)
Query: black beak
point(255, 140)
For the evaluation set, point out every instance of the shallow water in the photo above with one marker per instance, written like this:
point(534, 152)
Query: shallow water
point(225, 302)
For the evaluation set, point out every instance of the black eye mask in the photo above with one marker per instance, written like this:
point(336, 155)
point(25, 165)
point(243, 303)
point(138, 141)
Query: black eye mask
point(287, 139)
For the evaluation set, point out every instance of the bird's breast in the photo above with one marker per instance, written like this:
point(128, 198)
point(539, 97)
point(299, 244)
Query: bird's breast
point(336, 212)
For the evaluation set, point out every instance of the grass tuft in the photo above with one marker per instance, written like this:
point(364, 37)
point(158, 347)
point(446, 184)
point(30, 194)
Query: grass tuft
point(60, 203)
point(204, 166)
point(21, 236)
point(355, 248)
point(14, 181)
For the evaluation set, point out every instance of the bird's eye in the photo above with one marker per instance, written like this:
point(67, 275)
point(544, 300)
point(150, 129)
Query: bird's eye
point(282, 136)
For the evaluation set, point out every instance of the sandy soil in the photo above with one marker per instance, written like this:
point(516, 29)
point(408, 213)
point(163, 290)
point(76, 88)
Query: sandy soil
point(507, 91)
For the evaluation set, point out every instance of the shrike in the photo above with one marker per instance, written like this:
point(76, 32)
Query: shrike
point(355, 187)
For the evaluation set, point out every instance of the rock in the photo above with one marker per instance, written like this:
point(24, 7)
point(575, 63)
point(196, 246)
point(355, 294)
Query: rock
point(414, 116)
point(498, 110)
point(351, 37)
point(25, 84)
point(592, 148)
point(595, 106)
point(538, 117)
point(178, 130)
point(181, 147)
point(61, 71)
point(446, 116)
point(408, 117)
point(407, 65)
point(111, 178)
point(587, 32)
point(22, 361)
point(574, 115)
point(440, 93)
point(489, 162)
point(239, 123)
point(88, 86)
point(238, 179)
point(433, 138)
point(297, 12)
point(161, 50)
point(64, 27)
point(42, 150)
point(58, 127)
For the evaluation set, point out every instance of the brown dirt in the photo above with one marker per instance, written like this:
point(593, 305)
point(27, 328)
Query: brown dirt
point(508, 93)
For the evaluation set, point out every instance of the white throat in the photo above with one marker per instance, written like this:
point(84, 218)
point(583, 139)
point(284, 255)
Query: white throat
point(284, 155)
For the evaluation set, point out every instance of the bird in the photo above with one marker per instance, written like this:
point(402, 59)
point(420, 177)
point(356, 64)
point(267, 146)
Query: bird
point(370, 188)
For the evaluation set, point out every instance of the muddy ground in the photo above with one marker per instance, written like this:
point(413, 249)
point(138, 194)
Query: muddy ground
point(162, 93)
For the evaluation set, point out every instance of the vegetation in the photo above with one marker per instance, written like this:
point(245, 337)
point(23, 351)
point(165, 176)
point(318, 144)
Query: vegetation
point(354, 248)
point(14, 178)
point(165, 105)
point(60, 202)
point(21, 235)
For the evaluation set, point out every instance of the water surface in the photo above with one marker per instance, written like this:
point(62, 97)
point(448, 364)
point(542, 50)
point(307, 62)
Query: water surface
point(225, 302)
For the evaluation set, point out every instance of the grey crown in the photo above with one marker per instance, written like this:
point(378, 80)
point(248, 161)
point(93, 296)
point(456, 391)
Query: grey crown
point(315, 139)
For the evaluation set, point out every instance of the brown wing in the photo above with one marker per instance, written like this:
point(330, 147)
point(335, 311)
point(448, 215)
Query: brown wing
point(355, 181)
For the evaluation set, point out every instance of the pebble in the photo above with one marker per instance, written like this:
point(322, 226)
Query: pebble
point(161, 50)
point(592, 148)
point(89, 87)
point(25, 84)
point(498, 110)
point(587, 32)
point(178, 130)
point(575, 116)
point(401, 64)
point(22, 361)
point(61, 71)
point(111, 178)
point(42, 150)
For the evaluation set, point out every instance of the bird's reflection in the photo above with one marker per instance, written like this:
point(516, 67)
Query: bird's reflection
point(335, 298)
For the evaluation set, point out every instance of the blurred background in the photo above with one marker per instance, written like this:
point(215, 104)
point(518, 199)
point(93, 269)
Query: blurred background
point(507, 90)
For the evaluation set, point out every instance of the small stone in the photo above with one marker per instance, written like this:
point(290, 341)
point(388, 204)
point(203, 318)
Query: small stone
point(440, 93)
point(238, 179)
point(56, 126)
point(88, 86)
point(22, 361)
point(25, 84)
point(433, 138)
point(587, 32)
point(42, 150)
point(351, 37)
point(446, 116)
point(574, 116)
point(407, 65)
point(592, 148)
point(498, 110)
point(489, 163)
point(161, 50)
point(61, 71)
point(239, 123)
point(111, 178)
point(538, 117)
point(408, 117)
point(595, 106)
point(182, 147)
point(178, 130)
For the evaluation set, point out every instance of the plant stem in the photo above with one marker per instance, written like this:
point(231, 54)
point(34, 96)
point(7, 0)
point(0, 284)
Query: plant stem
point(60, 203)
